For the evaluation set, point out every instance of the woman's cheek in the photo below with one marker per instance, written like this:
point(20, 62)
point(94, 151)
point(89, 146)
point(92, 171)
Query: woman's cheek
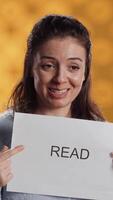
point(77, 80)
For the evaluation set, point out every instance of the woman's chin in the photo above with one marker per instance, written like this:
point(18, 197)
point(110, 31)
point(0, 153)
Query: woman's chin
point(59, 104)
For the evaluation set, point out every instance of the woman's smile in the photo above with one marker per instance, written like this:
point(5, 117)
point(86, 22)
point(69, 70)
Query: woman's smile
point(58, 93)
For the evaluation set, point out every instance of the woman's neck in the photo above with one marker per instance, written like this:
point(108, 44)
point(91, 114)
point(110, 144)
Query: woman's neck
point(54, 112)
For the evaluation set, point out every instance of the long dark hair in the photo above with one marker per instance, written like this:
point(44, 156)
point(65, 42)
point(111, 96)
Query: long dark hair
point(24, 98)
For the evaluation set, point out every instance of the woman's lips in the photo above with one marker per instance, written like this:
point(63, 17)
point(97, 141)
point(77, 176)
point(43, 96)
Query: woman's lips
point(58, 93)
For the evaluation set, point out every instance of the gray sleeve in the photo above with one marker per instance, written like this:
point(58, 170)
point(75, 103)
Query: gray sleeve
point(0, 193)
point(6, 125)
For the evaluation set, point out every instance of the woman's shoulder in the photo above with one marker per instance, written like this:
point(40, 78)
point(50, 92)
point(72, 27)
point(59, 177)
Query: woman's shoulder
point(6, 119)
point(6, 114)
point(6, 125)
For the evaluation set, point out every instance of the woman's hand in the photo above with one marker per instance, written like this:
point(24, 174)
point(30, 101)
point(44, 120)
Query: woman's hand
point(5, 163)
point(111, 154)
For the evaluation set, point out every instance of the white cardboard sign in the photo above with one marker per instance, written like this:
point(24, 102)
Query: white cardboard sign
point(62, 157)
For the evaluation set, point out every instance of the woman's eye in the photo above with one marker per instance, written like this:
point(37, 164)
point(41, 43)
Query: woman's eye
point(47, 66)
point(74, 68)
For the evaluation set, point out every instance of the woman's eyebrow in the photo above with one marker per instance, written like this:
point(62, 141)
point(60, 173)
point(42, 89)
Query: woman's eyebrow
point(72, 58)
point(75, 58)
point(48, 57)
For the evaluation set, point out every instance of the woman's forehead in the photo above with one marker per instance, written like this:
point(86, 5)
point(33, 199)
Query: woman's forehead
point(68, 47)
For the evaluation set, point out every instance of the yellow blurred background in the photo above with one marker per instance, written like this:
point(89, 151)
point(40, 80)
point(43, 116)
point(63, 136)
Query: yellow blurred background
point(16, 21)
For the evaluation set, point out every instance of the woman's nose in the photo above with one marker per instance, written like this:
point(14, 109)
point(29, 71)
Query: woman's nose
point(60, 75)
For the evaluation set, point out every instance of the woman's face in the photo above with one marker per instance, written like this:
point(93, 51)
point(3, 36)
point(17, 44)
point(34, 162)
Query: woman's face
point(58, 72)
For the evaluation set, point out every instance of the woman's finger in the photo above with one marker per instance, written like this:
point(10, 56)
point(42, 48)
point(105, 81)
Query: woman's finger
point(111, 154)
point(6, 179)
point(5, 148)
point(11, 152)
point(9, 177)
point(5, 163)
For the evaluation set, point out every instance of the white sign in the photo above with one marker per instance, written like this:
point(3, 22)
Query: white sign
point(63, 157)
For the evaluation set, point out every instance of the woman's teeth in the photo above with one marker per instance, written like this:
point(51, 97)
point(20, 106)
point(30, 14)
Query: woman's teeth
point(58, 91)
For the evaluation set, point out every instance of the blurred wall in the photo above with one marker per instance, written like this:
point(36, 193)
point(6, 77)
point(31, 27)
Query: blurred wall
point(16, 21)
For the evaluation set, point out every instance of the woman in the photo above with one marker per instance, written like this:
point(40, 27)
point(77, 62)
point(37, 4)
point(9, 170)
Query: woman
point(56, 81)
